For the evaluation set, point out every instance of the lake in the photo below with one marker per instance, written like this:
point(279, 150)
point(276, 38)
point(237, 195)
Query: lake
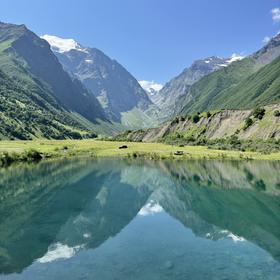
point(138, 219)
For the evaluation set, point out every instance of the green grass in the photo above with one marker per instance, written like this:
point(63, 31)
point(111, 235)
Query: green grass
point(95, 148)
point(260, 88)
point(211, 86)
point(135, 119)
point(5, 45)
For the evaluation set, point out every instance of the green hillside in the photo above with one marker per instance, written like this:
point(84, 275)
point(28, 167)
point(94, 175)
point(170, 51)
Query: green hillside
point(38, 98)
point(261, 88)
point(32, 113)
point(244, 84)
point(212, 85)
point(237, 87)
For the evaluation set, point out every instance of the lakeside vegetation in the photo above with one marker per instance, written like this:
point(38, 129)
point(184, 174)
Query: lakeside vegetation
point(228, 143)
point(27, 151)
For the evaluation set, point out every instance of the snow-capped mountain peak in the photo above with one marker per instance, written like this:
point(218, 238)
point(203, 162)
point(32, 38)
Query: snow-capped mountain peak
point(62, 45)
point(234, 57)
point(150, 87)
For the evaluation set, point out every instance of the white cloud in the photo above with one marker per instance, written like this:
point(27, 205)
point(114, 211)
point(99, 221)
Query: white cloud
point(276, 14)
point(62, 45)
point(266, 39)
point(150, 86)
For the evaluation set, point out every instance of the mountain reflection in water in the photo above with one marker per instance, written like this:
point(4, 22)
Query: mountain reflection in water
point(122, 219)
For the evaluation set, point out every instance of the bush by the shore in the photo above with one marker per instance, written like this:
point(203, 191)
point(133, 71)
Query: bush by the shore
point(27, 156)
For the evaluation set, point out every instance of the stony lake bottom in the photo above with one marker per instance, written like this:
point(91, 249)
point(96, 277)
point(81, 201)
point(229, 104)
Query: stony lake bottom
point(139, 219)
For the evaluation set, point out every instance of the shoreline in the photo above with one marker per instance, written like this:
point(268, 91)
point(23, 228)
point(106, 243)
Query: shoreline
point(37, 150)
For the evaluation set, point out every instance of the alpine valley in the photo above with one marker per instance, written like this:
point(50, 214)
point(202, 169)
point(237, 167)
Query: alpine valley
point(139, 140)
point(57, 88)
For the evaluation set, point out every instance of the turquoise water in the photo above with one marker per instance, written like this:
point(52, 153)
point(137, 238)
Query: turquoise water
point(120, 219)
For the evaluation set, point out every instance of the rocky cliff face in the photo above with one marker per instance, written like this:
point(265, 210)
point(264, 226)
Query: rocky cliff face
point(116, 89)
point(170, 95)
point(220, 124)
point(34, 54)
point(269, 52)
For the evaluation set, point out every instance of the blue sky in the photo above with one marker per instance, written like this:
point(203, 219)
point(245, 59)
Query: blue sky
point(153, 39)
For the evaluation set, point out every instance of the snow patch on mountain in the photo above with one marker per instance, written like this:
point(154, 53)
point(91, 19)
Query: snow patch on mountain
point(150, 86)
point(89, 61)
point(62, 45)
point(59, 251)
point(266, 40)
point(208, 60)
point(234, 57)
point(151, 208)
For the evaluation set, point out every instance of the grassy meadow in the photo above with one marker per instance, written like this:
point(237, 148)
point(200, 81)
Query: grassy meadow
point(12, 151)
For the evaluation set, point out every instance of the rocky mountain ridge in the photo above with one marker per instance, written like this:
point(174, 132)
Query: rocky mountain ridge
point(169, 97)
point(116, 89)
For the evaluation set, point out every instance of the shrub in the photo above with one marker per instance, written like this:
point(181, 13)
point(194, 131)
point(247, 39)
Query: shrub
point(248, 123)
point(189, 138)
point(208, 115)
point(195, 118)
point(233, 140)
point(260, 185)
point(175, 121)
point(75, 135)
point(276, 113)
point(94, 135)
point(258, 113)
point(6, 159)
point(237, 131)
point(178, 135)
point(31, 155)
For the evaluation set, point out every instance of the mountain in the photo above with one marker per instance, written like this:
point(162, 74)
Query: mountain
point(62, 89)
point(169, 97)
point(244, 84)
point(28, 112)
point(151, 88)
point(229, 93)
point(258, 89)
point(40, 90)
point(119, 93)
